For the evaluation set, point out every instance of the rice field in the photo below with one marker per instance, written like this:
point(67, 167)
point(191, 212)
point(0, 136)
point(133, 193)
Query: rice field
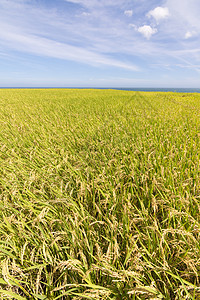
point(99, 195)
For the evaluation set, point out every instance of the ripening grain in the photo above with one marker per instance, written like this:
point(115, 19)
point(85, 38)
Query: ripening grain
point(99, 195)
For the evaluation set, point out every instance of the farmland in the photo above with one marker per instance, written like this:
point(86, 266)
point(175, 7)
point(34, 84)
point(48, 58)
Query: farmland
point(99, 194)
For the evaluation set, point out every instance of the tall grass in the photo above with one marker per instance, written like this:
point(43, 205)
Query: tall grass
point(99, 195)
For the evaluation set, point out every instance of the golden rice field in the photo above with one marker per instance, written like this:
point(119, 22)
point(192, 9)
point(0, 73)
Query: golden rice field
point(99, 195)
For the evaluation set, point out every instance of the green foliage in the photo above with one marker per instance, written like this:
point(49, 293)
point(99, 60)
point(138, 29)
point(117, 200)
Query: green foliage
point(99, 195)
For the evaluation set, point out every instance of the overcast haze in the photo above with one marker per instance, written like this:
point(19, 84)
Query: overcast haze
point(100, 43)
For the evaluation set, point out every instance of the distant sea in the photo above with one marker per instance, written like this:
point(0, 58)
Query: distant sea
point(177, 90)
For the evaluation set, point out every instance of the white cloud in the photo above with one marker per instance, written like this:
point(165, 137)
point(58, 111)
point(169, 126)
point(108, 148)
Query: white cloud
point(159, 13)
point(188, 34)
point(128, 13)
point(86, 14)
point(147, 31)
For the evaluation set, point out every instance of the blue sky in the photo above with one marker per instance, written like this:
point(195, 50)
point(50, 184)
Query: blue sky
point(100, 43)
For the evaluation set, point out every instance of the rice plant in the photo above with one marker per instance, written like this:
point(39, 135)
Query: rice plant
point(99, 195)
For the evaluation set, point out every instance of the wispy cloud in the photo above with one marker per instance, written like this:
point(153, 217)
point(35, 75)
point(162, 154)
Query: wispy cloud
point(184, 16)
point(46, 47)
point(25, 36)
